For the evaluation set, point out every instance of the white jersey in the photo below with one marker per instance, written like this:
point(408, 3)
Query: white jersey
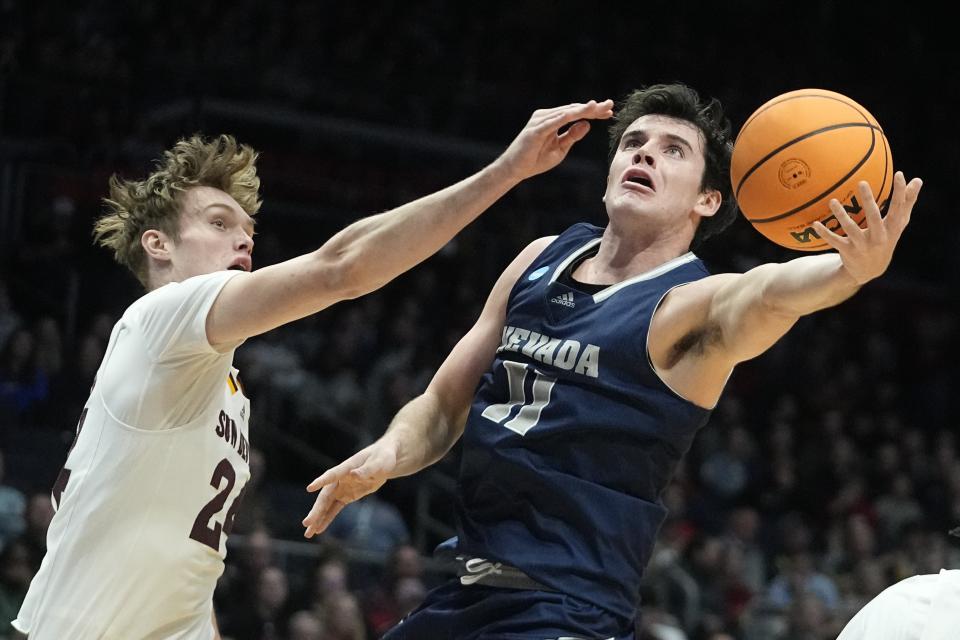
point(925, 607)
point(150, 486)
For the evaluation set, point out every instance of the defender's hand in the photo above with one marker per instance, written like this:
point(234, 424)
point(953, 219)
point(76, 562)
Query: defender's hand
point(357, 476)
point(540, 146)
point(866, 253)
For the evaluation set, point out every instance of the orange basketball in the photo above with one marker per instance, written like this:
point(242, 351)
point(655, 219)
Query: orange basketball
point(796, 153)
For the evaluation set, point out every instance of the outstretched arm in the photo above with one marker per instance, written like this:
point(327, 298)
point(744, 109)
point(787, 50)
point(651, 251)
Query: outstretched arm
point(429, 425)
point(370, 252)
point(702, 330)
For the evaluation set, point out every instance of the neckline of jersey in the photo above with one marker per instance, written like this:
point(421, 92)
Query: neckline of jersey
point(600, 296)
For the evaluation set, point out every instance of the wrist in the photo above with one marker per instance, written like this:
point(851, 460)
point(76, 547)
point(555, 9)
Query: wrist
point(852, 278)
point(505, 172)
point(391, 446)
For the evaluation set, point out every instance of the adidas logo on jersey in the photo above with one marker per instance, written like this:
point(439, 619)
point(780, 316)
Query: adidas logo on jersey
point(565, 299)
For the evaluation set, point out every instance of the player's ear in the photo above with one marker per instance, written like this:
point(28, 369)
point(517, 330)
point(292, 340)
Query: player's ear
point(156, 244)
point(708, 203)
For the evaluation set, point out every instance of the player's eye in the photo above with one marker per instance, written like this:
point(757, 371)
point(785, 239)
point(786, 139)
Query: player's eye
point(219, 223)
point(674, 150)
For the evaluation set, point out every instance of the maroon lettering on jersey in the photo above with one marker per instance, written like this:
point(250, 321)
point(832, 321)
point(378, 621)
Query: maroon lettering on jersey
point(222, 423)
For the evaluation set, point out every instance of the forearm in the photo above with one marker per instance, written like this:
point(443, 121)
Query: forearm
point(376, 249)
point(803, 285)
point(421, 433)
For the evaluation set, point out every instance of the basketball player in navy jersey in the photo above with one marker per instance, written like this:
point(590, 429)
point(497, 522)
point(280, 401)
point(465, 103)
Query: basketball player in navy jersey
point(597, 357)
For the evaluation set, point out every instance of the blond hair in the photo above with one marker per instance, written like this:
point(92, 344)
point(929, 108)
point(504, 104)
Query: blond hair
point(134, 207)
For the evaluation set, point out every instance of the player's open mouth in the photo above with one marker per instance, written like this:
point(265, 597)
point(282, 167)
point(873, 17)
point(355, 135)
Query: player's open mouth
point(241, 264)
point(640, 178)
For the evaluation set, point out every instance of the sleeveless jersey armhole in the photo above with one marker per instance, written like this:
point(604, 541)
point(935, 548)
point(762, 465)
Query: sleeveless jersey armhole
point(653, 367)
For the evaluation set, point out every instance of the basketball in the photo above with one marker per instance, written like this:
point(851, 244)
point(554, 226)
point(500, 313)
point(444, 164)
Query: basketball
point(796, 153)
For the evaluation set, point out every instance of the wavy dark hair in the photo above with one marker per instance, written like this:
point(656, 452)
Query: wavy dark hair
point(679, 101)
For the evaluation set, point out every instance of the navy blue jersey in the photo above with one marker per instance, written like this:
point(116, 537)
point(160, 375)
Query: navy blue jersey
point(572, 436)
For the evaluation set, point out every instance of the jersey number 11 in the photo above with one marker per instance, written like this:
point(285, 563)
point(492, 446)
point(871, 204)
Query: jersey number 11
point(529, 414)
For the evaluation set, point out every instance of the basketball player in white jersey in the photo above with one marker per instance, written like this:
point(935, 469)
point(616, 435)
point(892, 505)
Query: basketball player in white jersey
point(924, 607)
point(157, 470)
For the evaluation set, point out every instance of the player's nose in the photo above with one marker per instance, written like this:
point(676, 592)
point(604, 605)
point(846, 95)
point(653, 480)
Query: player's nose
point(244, 242)
point(642, 156)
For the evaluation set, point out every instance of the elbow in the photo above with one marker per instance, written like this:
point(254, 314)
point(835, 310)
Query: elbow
point(444, 412)
point(779, 315)
point(769, 296)
point(774, 306)
point(347, 274)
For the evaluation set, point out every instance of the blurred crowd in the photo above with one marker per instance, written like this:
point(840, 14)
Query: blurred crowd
point(829, 471)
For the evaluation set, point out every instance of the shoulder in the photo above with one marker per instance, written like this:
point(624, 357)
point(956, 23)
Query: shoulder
point(538, 245)
point(175, 293)
point(172, 318)
point(527, 258)
point(679, 298)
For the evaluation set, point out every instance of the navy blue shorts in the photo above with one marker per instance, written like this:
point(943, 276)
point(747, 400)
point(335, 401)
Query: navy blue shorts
point(475, 612)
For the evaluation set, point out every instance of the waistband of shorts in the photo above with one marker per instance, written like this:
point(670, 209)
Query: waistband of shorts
point(495, 574)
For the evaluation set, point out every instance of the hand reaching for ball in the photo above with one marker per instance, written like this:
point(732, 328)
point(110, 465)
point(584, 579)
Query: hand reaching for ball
point(866, 253)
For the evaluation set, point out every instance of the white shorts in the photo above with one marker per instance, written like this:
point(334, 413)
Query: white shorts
point(923, 607)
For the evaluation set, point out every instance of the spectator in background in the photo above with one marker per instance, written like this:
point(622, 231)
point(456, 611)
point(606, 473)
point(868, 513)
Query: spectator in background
point(49, 347)
point(896, 508)
point(370, 524)
point(729, 471)
point(341, 615)
point(12, 507)
point(23, 385)
point(267, 615)
point(809, 619)
point(331, 578)
point(9, 318)
point(237, 588)
point(704, 563)
point(305, 625)
point(400, 590)
point(668, 584)
point(408, 593)
point(38, 516)
point(657, 623)
point(867, 580)
point(799, 577)
point(851, 541)
point(71, 387)
point(15, 574)
point(743, 525)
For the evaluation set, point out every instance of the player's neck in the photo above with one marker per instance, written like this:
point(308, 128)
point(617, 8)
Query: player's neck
point(625, 255)
point(160, 275)
point(156, 280)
